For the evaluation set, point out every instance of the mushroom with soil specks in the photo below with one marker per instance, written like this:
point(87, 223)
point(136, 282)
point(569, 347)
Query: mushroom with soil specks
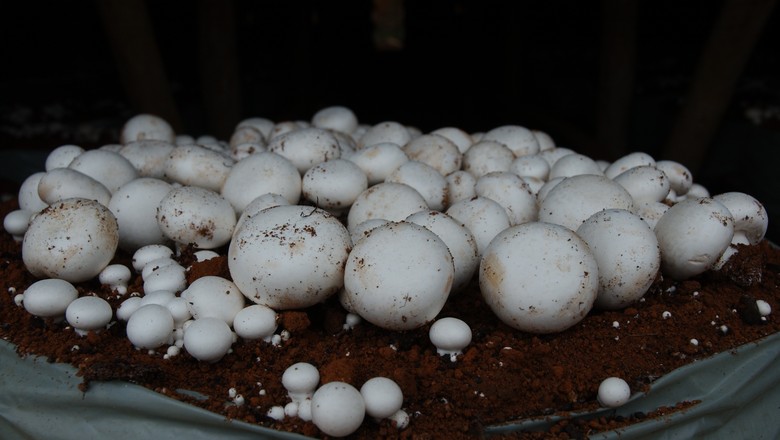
point(539, 277)
point(73, 239)
point(399, 276)
point(289, 257)
point(692, 235)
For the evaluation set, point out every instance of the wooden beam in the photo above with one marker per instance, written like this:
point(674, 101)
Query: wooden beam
point(138, 59)
point(218, 66)
point(616, 76)
point(721, 63)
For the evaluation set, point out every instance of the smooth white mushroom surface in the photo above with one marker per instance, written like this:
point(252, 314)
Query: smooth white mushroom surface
point(135, 207)
point(337, 408)
point(627, 254)
point(576, 198)
point(213, 297)
point(693, 234)
point(49, 297)
point(398, 276)
point(279, 176)
point(539, 277)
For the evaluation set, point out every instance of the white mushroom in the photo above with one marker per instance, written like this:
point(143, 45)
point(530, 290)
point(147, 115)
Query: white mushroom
point(627, 162)
point(576, 198)
point(116, 276)
point(511, 192)
point(458, 137)
point(135, 207)
point(146, 126)
point(193, 215)
point(65, 183)
point(306, 147)
point(256, 321)
point(450, 336)
point(399, 276)
point(487, 156)
point(388, 200)
point(388, 131)
point(531, 165)
point(62, 156)
point(88, 313)
point(148, 156)
point(289, 257)
point(693, 234)
point(382, 396)
point(337, 409)
point(435, 151)
point(539, 277)
point(207, 339)
point(148, 253)
point(459, 240)
point(379, 160)
point(111, 169)
point(334, 185)
point(49, 298)
point(680, 178)
point(197, 166)
point(425, 179)
point(337, 118)
point(149, 326)
point(73, 239)
point(645, 183)
point(260, 203)
point(461, 185)
point(16, 223)
point(627, 254)
point(263, 125)
point(213, 297)
point(520, 140)
point(750, 217)
point(280, 176)
point(28, 197)
point(574, 165)
point(484, 217)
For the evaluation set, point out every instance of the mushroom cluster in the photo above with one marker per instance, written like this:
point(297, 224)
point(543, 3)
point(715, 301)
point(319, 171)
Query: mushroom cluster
point(389, 220)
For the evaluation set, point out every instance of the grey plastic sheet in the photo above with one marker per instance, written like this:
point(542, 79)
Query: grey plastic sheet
point(739, 394)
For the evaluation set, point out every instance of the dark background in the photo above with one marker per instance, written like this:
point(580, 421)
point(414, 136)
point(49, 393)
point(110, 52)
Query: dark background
point(471, 64)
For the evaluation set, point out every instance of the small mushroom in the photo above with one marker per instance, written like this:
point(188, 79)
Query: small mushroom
point(256, 321)
point(382, 397)
point(49, 297)
point(337, 409)
point(450, 336)
point(116, 276)
point(88, 313)
point(207, 339)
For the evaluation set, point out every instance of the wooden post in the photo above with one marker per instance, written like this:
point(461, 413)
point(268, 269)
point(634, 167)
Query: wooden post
point(138, 59)
point(218, 66)
point(616, 75)
point(727, 51)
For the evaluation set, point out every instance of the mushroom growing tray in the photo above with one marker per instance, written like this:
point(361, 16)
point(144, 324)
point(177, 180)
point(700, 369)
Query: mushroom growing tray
point(733, 394)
